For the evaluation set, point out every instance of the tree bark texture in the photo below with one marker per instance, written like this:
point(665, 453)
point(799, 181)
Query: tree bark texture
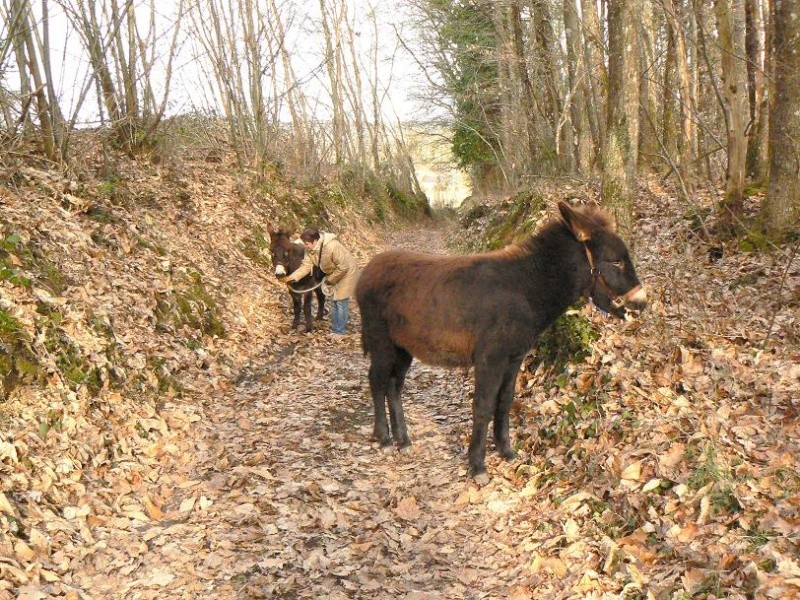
point(622, 138)
point(781, 210)
point(730, 25)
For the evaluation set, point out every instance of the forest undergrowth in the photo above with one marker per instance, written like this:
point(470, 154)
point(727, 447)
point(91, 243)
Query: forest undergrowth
point(163, 434)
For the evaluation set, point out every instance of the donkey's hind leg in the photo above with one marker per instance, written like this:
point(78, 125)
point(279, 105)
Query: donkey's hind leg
point(402, 362)
point(320, 303)
point(380, 373)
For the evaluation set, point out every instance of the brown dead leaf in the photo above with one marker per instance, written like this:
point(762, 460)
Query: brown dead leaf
point(548, 564)
point(407, 509)
point(470, 496)
point(693, 579)
point(5, 505)
point(669, 461)
point(153, 511)
point(23, 552)
point(684, 534)
point(633, 472)
point(326, 518)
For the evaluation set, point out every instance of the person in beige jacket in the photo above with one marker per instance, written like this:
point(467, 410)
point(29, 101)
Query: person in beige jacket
point(340, 269)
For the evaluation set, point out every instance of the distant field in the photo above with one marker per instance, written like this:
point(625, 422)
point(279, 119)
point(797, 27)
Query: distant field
point(443, 182)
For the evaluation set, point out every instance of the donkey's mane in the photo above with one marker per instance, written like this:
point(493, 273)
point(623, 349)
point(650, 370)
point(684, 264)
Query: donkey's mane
point(598, 216)
point(555, 228)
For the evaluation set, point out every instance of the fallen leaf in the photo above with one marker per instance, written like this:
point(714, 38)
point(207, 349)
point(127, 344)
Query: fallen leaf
point(407, 509)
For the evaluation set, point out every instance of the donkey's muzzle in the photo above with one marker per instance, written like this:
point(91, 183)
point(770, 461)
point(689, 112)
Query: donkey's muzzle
point(280, 271)
point(634, 299)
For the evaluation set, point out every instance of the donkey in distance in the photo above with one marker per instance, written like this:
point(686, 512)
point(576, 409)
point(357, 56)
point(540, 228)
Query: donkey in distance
point(286, 257)
point(486, 311)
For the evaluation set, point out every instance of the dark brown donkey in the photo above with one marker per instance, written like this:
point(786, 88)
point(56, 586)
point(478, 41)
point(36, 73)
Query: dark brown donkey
point(485, 310)
point(286, 257)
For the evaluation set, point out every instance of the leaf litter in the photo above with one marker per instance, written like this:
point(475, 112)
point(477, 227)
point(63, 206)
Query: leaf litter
point(666, 462)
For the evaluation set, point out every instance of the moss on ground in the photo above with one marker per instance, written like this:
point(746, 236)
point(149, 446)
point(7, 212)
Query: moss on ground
point(192, 307)
point(18, 361)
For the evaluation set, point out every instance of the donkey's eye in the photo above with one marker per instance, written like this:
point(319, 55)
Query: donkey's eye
point(618, 264)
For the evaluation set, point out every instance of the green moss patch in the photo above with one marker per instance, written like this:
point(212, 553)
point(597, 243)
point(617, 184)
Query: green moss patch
point(75, 367)
point(191, 307)
point(24, 265)
point(256, 247)
point(18, 362)
point(568, 340)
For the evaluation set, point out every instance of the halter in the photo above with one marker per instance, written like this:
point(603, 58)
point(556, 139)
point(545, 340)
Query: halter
point(618, 300)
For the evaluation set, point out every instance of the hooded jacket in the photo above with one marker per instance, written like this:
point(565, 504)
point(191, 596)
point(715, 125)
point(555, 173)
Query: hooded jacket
point(340, 267)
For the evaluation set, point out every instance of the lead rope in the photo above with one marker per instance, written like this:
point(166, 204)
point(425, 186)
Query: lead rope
point(311, 289)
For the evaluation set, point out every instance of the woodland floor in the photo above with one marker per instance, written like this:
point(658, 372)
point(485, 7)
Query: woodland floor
point(664, 465)
point(289, 497)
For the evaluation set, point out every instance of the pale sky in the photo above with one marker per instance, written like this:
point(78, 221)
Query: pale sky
point(190, 88)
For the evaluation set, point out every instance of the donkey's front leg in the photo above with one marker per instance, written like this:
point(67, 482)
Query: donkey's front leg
point(296, 306)
point(505, 398)
point(307, 311)
point(488, 379)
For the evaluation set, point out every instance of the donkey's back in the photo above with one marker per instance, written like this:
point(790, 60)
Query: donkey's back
point(429, 305)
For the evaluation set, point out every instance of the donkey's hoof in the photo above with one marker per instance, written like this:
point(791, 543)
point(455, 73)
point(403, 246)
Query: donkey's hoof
point(404, 446)
point(385, 443)
point(481, 478)
point(507, 454)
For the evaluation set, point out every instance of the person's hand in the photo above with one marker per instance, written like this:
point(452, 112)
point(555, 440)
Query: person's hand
point(326, 287)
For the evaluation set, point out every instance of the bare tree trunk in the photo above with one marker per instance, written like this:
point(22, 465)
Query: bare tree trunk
point(256, 70)
point(622, 141)
point(304, 148)
point(97, 49)
point(687, 142)
point(730, 24)
point(597, 75)
point(332, 63)
point(648, 134)
point(126, 56)
point(377, 121)
point(59, 139)
point(526, 93)
point(781, 210)
point(27, 50)
point(669, 124)
point(355, 93)
point(767, 89)
point(155, 112)
point(583, 146)
point(544, 44)
point(18, 23)
point(757, 157)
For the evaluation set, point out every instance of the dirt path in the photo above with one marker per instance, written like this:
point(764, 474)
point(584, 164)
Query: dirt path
point(289, 497)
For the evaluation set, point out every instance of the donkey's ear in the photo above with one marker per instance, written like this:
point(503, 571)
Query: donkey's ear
point(576, 222)
point(601, 217)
